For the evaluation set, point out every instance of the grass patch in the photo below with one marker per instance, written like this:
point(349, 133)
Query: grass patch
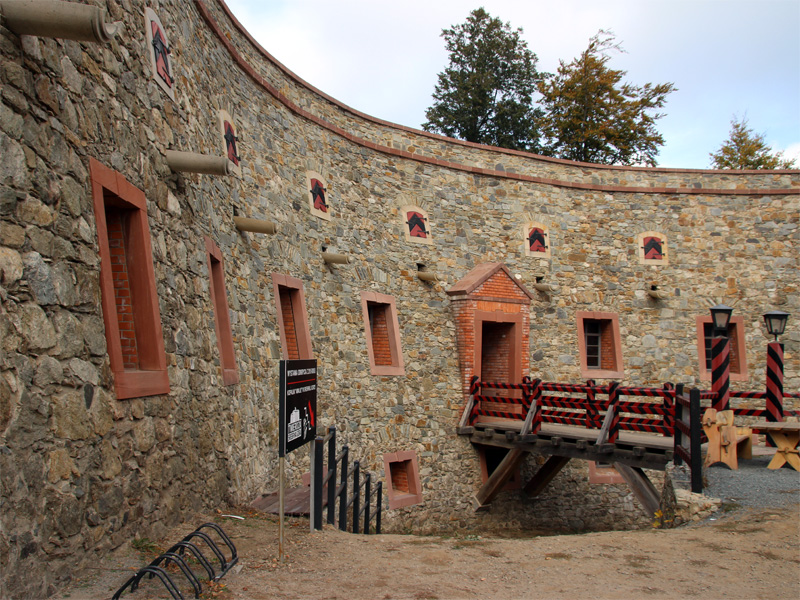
point(146, 547)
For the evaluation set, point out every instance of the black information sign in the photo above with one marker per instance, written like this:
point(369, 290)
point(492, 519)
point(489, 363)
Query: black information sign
point(298, 404)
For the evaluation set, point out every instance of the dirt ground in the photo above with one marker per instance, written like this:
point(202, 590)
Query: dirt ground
point(738, 554)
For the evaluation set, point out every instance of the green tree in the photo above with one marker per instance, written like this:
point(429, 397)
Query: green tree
point(592, 116)
point(745, 149)
point(485, 95)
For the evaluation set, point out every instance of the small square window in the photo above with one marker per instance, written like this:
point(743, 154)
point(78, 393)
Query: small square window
point(382, 333)
point(599, 345)
point(402, 479)
point(652, 248)
point(318, 200)
point(738, 356)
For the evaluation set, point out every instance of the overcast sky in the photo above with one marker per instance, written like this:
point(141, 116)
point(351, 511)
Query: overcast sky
point(726, 57)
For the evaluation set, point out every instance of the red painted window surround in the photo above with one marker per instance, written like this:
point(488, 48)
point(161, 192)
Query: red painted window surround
point(131, 315)
point(610, 345)
point(292, 317)
point(738, 353)
point(401, 473)
point(382, 331)
point(222, 318)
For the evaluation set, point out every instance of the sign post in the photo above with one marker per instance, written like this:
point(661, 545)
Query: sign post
point(297, 408)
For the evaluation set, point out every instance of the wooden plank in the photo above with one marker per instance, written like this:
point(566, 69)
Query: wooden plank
point(498, 478)
point(545, 475)
point(297, 502)
point(641, 487)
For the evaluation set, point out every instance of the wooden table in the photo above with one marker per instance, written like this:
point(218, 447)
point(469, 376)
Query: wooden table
point(786, 437)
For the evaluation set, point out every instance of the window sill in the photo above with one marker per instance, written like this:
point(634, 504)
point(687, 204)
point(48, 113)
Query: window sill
point(601, 374)
point(401, 500)
point(138, 384)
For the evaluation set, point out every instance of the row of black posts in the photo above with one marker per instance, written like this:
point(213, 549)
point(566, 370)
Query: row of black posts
point(327, 478)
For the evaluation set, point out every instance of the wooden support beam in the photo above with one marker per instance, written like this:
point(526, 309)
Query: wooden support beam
point(642, 488)
point(545, 475)
point(498, 478)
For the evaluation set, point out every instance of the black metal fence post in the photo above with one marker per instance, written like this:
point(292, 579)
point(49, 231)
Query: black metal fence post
point(695, 430)
point(331, 475)
point(356, 495)
point(343, 493)
point(379, 504)
point(367, 500)
point(318, 479)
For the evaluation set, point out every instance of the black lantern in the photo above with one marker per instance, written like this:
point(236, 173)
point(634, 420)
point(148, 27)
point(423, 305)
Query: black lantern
point(721, 317)
point(775, 321)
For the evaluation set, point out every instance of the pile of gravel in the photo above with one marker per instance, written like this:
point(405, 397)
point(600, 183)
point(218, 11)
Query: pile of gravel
point(753, 485)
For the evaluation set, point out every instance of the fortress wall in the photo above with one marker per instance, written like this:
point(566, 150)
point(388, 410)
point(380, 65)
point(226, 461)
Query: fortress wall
point(82, 472)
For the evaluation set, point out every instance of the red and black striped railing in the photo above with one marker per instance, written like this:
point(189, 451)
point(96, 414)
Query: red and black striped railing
point(583, 405)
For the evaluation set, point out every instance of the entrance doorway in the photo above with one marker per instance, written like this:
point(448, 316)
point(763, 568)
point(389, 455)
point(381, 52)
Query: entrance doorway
point(498, 352)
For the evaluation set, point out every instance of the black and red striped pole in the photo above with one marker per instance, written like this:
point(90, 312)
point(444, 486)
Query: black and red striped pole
point(721, 356)
point(775, 321)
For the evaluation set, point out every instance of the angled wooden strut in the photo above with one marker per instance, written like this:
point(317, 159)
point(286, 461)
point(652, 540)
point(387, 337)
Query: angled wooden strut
point(506, 469)
point(637, 480)
point(545, 475)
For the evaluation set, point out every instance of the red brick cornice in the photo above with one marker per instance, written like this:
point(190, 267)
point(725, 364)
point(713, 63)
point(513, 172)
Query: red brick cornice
point(294, 108)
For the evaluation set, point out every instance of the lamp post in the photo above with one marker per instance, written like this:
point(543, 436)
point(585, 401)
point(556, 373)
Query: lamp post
point(775, 320)
point(721, 356)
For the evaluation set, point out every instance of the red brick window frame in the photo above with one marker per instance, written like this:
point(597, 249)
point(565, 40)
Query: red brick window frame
point(599, 345)
point(401, 472)
point(382, 331)
point(222, 318)
point(738, 354)
point(134, 336)
point(292, 317)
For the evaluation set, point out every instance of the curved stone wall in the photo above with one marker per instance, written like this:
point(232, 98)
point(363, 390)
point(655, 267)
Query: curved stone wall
point(82, 471)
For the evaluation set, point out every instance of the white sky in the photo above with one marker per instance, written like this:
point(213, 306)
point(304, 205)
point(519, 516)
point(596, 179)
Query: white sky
point(726, 57)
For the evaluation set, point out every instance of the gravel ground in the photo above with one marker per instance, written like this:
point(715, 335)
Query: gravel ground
point(753, 485)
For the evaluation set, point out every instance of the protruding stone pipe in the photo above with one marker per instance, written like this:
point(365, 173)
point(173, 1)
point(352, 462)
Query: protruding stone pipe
point(658, 294)
point(191, 162)
point(255, 225)
point(429, 276)
point(335, 259)
point(66, 20)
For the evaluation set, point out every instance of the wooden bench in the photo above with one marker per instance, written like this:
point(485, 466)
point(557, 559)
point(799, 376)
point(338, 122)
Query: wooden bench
point(726, 442)
point(786, 436)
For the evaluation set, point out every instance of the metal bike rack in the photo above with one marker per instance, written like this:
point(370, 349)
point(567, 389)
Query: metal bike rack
point(176, 555)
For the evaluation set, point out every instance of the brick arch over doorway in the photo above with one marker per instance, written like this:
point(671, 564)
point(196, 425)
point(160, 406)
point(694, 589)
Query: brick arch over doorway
point(492, 314)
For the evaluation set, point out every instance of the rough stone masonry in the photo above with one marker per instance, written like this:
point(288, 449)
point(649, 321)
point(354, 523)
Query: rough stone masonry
point(93, 454)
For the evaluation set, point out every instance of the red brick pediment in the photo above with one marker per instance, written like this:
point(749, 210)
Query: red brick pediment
point(491, 281)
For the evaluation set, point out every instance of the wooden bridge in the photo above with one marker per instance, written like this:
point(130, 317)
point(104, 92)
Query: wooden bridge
point(600, 423)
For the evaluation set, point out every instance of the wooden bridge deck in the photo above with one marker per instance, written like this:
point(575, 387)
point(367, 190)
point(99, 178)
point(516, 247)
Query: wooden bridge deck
point(631, 453)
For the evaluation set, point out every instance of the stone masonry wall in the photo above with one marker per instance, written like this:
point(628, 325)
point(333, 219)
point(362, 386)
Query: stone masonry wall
point(82, 472)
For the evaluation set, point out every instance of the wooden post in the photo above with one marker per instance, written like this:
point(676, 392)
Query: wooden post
point(678, 418)
point(721, 371)
point(775, 381)
point(498, 478)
